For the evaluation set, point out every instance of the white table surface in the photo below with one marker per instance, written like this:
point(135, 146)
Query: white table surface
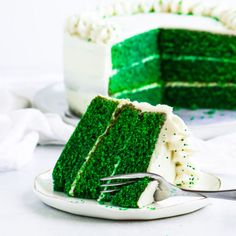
point(22, 213)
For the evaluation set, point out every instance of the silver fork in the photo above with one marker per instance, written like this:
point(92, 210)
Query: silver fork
point(165, 189)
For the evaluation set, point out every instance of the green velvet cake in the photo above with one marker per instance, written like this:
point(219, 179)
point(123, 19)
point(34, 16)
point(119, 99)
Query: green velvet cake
point(118, 136)
point(155, 51)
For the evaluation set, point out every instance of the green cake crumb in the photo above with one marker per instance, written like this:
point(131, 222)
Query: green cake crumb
point(123, 208)
point(152, 208)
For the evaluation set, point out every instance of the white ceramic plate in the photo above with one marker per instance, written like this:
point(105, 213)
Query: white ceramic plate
point(204, 123)
point(173, 206)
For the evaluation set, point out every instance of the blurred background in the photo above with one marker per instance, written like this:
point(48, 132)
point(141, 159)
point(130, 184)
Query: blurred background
point(31, 39)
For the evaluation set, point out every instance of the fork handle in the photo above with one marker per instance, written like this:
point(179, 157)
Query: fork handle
point(222, 194)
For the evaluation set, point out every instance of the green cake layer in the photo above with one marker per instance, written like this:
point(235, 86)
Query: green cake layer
point(197, 43)
point(205, 95)
point(135, 76)
point(112, 137)
point(91, 126)
point(197, 69)
point(138, 151)
point(151, 93)
point(135, 49)
point(129, 195)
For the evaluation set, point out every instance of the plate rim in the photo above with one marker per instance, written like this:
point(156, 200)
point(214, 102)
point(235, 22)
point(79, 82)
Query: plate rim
point(205, 202)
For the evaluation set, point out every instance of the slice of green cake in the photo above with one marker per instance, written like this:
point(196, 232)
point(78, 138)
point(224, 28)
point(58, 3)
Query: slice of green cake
point(93, 124)
point(118, 136)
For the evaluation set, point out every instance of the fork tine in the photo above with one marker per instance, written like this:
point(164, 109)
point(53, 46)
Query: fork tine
point(117, 184)
point(110, 191)
point(127, 176)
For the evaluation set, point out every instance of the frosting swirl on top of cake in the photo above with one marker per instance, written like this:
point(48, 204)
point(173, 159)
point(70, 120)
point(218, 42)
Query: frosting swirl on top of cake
point(92, 29)
point(95, 26)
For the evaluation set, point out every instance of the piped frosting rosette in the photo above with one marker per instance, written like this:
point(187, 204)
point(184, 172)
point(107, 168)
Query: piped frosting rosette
point(176, 137)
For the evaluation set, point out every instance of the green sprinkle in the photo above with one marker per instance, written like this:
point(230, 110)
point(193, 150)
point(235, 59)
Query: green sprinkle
point(152, 208)
point(123, 209)
point(210, 112)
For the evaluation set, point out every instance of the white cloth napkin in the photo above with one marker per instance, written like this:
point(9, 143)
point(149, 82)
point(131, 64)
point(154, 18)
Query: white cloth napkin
point(217, 155)
point(22, 128)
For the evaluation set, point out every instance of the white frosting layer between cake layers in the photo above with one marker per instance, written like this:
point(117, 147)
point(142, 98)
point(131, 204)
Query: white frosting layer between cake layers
point(199, 84)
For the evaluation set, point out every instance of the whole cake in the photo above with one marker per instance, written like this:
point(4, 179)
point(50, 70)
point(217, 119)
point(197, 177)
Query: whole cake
point(116, 136)
point(178, 52)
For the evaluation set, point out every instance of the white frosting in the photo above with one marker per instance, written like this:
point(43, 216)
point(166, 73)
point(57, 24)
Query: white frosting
point(87, 67)
point(145, 22)
point(99, 26)
point(78, 100)
point(92, 28)
point(147, 197)
point(198, 84)
point(197, 58)
point(83, 59)
point(143, 88)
